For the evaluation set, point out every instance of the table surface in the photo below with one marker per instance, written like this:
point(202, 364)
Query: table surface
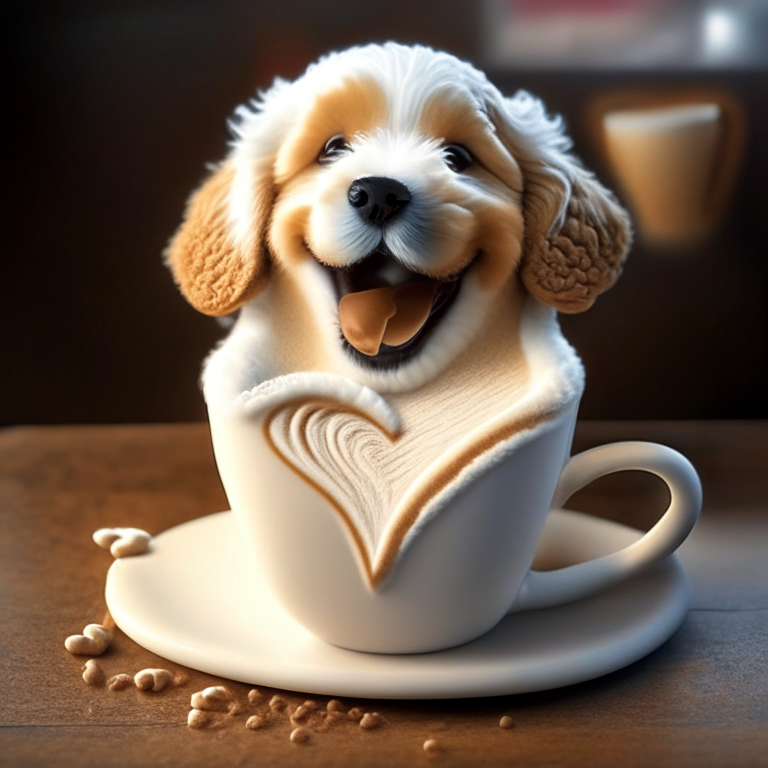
point(701, 699)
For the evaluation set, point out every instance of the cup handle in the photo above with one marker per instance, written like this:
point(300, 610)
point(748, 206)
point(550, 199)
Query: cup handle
point(544, 589)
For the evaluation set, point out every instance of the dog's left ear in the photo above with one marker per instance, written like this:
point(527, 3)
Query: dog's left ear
point(576, 234)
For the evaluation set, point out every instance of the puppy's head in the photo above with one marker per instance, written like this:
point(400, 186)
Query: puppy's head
point(408, 192)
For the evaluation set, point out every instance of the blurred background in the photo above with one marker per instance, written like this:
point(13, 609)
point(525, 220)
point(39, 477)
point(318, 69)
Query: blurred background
point(117, 106)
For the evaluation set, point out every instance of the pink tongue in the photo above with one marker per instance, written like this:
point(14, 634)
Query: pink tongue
point(391, 316)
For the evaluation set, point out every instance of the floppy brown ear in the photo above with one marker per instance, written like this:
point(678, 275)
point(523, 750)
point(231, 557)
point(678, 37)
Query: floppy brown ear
point(576, 234)
point(216, 273)
point(569, 265)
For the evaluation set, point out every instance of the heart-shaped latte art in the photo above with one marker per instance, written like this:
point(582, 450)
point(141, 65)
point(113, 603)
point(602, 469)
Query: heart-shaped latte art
point(356, 464)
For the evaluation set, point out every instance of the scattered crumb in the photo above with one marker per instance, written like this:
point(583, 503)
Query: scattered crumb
point(254, 722)
point(299, 735)
point(506, 722)
point(333, 717)
point(371, 720)
point(300, 714)
point(432, 747)
point(334, 705)
point(123, 542)
point(216, 698)
point(93, 642)
point(277, 704)
point(181, 678)
point(311, 705)
point(93, 674)
point(153, 679)
point(198, 719)
point(119, 682)
point(356, 713)
point(255, 696)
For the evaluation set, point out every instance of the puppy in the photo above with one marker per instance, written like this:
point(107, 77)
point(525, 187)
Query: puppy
point(386, 215)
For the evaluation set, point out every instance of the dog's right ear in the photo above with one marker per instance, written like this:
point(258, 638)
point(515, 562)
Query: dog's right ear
point(576, 233)
point(217, 267)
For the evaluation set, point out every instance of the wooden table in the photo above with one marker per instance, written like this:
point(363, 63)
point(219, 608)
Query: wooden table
point(700, 700)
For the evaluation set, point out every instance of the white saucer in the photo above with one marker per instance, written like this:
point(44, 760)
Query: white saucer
point(186, 601)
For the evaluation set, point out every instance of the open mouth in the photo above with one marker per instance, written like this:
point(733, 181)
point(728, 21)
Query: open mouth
point(387, 311)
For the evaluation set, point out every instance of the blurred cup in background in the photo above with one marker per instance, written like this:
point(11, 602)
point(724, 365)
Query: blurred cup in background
point(666, 160)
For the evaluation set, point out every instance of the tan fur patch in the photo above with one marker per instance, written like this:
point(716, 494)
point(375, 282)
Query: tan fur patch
point(286, 236)
point(501, 231)
point(495, 230)
point(498, 226)
point(330, 194)
point(452, 121)
point(356, 107)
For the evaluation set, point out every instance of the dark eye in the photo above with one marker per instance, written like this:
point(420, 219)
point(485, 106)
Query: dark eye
point(456, 157)
point(333, 149)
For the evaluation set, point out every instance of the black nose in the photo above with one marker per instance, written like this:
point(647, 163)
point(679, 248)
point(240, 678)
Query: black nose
point(378, 199)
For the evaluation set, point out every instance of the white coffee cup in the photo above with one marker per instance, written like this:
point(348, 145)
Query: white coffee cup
point(467, 567)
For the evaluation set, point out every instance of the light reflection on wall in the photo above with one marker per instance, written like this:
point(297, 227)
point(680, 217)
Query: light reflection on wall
point(633, 34)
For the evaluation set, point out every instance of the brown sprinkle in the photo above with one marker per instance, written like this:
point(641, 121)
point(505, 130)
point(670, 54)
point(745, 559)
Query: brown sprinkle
point(119, 682)
point(254, 722)
point(255, 696)
point(93, 674)
point(299, 735)
point(153, 679)
point(506, 722)
point(356, 713)
point(199, 701)
point(93, 642)
point(181, 678)
point(431, 747)
point(217, 693)
point(301, 713)
point(334, 705)
point(198, 719)
point(371, 720)
point(277, 703)
point(215, 698)
point(334, 717)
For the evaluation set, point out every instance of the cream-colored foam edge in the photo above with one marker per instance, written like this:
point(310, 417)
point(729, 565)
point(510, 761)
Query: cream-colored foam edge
point(269, 395)
point(557, 383)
